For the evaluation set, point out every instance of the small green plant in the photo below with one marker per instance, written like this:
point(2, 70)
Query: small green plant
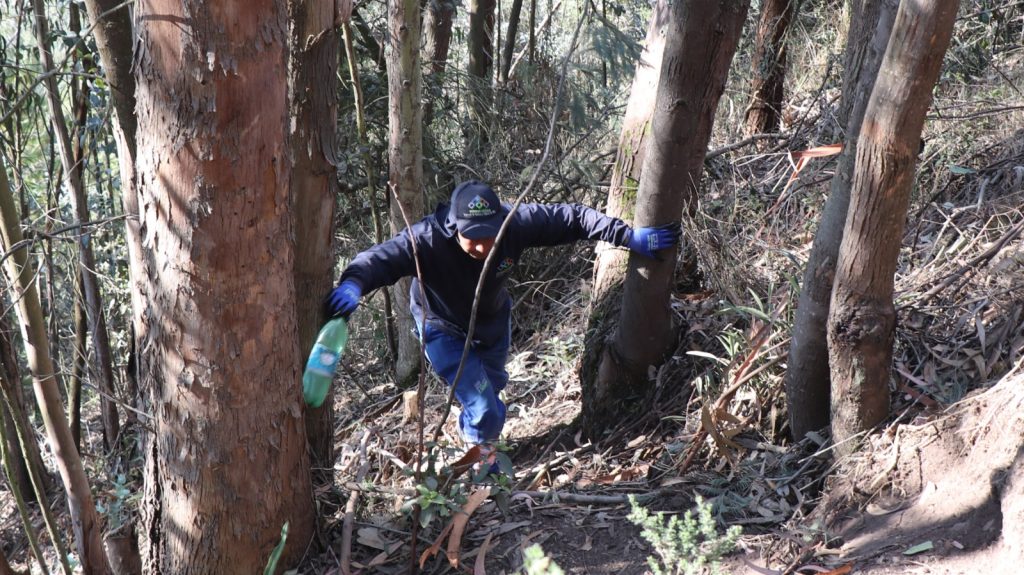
point(536, 562)
point(687, 546)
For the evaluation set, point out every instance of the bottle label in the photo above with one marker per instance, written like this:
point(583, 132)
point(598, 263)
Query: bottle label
point(322, 361)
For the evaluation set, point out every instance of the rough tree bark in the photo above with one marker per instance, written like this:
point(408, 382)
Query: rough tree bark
point(312, 92)
point(226, 464)
point(769, 66)
point(702, 38)
point(862, 316)
point(405, 157)
point(807, 375)
point(84, 520)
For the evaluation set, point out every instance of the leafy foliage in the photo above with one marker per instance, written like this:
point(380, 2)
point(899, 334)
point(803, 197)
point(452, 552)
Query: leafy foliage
point(687, 546)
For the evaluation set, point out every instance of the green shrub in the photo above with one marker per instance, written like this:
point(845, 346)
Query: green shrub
point(688, 546)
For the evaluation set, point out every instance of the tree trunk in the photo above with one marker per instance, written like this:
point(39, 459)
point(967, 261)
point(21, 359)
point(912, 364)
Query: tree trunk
point(91, 289)
point(702, 39)
point(312, 92)
point(405, 157)
point(862, 317)
point(481, 64)
point(437, 39)
point(80, 358)
point(610, 266)
point(510, 39)
point(807, 375)
point(769, 66)
point(84, 520)
point(226, 464)
point(10, 376)
point(112, 27)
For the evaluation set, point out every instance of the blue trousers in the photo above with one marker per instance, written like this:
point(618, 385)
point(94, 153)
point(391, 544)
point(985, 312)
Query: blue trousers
point(478, 389)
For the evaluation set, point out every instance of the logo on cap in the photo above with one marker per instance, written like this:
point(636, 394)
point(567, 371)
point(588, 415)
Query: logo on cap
point(478, 207)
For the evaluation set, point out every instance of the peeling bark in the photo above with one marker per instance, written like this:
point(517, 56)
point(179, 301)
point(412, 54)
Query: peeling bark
point(226, 465)
point(312, 89)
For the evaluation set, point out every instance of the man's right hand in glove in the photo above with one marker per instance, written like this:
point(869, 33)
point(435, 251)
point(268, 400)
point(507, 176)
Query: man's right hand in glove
point(343, 300)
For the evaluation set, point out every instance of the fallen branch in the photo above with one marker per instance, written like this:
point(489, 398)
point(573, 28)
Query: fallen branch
point(350, 509)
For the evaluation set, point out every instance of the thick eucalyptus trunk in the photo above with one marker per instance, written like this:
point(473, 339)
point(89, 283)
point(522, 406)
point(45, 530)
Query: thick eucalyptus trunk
point(702, 39)
point(862, 316)
point(405, 157)
point(807, 374)
point(312, 92)
point(769, 66)
point(226, 464)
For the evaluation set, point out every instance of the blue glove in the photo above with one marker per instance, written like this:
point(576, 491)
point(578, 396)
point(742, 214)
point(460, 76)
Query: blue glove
point(343, 300)
point(646, 241)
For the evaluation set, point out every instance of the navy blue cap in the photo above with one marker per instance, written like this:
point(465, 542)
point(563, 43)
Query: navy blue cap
point(477, 210)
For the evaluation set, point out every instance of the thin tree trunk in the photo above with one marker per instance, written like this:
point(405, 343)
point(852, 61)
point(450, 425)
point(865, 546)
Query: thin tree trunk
point(510, 39)
point(862, 317)
point(610, 266)
point(112, 28)
point(702, 38)
point(481, 64)
point(97, 322)
point(405, 156)
point(84, 520)
point(312, 89)
point(769, 66)
point(226, 464)
point(437, 39)
point(370, 167)
point(533, 30)
point(78, 368)
point(11, 373)
point(807, 375)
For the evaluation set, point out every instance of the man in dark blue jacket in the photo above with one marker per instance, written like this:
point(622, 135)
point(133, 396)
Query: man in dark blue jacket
point(451, 245)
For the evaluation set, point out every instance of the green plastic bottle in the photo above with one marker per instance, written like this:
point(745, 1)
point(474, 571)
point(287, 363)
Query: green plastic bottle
point(323, 360)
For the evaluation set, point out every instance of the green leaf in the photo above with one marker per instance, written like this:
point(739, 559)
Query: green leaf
point(920, 548)
point(275, 555)
point(961, 170)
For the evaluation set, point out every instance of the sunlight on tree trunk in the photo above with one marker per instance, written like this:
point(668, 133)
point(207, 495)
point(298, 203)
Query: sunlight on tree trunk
point(437, 39)
point(769, 66)
point(702, 40)
point(226, 464)
point(312, 90)
point(862, 316)
point(807, 374)
point(405, 155)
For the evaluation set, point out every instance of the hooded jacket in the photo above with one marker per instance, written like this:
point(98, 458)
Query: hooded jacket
point(450, 275)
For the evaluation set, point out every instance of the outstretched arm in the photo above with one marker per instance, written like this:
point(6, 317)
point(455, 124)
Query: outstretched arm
point(381, 265)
